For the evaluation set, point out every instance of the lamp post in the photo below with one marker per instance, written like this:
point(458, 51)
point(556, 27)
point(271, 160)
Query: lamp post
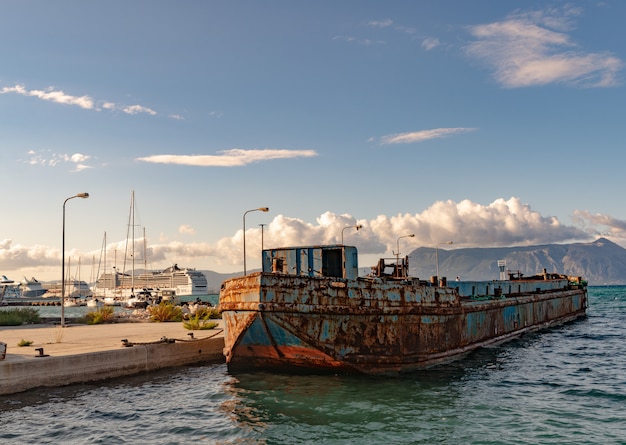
point(437, 255)
point(262, 225)
point(262, 209)
point(397, 253)
point(79, 195)
point(357, 227)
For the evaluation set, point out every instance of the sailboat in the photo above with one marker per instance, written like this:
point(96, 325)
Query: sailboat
point(77, 290)
point(169, 284)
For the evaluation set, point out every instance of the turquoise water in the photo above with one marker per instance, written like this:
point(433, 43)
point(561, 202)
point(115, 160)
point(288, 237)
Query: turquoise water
point(562, 386)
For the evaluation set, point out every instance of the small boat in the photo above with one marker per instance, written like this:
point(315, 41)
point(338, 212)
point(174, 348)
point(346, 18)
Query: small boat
point(140, 300)
point(309, 311)
point(74, 302)
point(93, 302)
point(11, 288)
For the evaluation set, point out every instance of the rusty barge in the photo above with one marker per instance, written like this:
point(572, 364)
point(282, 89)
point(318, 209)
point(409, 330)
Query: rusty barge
point(309, 311)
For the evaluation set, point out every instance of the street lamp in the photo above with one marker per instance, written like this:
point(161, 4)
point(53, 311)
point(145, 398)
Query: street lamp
point(437, 255)
point(397, 253)
point(79, 195)
point(357, 227)
point(262, 225)
point(262, 209)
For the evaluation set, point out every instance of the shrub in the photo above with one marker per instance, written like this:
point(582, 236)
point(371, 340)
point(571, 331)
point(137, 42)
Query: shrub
point(199, 321)
point(165, 311)
point(16, 317)
point(209, 312)
point(101, 315)
point(23, 342)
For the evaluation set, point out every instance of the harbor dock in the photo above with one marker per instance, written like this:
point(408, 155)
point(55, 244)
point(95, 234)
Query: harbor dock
point(76, 353)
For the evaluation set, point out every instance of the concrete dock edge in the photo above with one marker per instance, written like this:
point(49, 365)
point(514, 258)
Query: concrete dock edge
point(83, 361)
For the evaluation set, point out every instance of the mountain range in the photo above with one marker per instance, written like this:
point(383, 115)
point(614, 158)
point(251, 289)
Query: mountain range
point(601, 262)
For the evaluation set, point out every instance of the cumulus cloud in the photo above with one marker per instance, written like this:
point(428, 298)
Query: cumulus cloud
point(186, 229)
point(610, 226)
point(235, 157)
point(534, 48)
point(502, 223)
point(420, 136)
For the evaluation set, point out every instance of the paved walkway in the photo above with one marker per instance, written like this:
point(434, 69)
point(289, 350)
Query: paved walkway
point(80, 339)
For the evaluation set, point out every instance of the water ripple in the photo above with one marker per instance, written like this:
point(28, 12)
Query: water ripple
point(565, 385)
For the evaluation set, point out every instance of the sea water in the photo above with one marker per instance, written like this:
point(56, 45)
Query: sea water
point(566, 385)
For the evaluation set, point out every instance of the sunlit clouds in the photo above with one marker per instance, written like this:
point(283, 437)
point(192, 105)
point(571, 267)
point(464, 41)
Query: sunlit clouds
point(501, 223)
point(423, 135)
point(235, 157)
point(186, 229)
point(534, 48)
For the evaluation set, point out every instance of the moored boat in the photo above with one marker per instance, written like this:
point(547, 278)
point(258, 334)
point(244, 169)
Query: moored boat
point(31, 288)
point(309, 311)
point(182, 281)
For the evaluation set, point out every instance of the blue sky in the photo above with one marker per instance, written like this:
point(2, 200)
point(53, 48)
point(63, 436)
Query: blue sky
point(487, 123)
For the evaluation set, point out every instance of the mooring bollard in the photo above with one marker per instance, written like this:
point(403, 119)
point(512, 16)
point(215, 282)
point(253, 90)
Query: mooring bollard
point(41, 354)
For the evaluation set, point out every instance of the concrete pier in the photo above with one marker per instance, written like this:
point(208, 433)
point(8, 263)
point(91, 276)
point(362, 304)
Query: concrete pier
point(85, 353)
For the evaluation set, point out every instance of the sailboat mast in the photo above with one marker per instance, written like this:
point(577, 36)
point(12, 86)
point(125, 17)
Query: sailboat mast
point(145, 259)
point(132, 285)
point(105, 262)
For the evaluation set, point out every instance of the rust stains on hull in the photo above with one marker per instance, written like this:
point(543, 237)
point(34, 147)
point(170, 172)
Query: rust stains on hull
point(291, 327)
point(305, 312)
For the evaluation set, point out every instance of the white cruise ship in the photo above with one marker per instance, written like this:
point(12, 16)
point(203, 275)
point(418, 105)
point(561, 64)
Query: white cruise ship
point(31, 288)
point(183, 281)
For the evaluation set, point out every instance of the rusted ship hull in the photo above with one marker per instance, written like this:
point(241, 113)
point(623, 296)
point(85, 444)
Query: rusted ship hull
point(284, 322)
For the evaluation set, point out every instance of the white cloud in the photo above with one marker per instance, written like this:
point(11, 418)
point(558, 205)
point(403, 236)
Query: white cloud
point(468, 224)
point(614, 227)
point(186, 230)
point(86, 102)
point(420, 136)
point(137, 109)
point(47, 158)
point(49, 94)
point(430, 43)
point(533, 48)
point(228, 158)
point(380, 23)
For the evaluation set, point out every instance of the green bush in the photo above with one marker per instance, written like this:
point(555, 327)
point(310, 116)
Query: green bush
point(165, 311)
point(101, 315)
point(23, 343)
point(209, 312)
point(199, 321)
point(16, 317)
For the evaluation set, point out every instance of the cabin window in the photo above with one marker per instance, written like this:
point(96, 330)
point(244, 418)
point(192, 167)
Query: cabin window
point(332, 263)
